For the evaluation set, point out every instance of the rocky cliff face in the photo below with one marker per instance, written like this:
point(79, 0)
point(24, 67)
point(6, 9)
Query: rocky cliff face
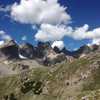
point(27, 50)
point(43, 52)
point(9, 50)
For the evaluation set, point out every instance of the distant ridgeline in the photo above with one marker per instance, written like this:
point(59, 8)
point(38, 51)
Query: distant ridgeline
point(43, 53)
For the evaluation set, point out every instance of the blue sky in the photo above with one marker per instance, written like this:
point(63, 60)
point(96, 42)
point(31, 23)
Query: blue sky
point(81, 11)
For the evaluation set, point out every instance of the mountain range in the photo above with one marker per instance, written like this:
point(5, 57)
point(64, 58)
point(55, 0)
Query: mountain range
point(40, 72)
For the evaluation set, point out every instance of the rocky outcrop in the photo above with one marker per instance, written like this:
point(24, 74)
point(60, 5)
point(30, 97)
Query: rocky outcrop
point(43, 49)
point(26, 50)
point(54, 58)
point(9, 50)
point(56, 49)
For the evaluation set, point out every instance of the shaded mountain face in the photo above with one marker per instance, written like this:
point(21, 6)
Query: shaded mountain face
point(31, 52)
point(43, 49)
point(9, 50)
point(43, 52)
point(88, 49)
point(76, 54)
point(43, 45)
point(94, 47)
point(84, 50)
point(27, 50)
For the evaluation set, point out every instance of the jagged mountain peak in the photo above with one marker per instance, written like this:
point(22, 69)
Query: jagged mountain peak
point(42, 51)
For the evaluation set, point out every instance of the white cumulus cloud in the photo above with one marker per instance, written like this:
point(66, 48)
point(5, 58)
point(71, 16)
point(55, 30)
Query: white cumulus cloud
point(5, 9)
point(39, 11)
point(1, 42)
point(59, 44)
point(53, 20)
point(4, 36)
point(24, 38)
point(95, 41)
point(49, 32)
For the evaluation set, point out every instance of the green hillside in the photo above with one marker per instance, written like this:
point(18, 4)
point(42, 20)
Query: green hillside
point(77, 80)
